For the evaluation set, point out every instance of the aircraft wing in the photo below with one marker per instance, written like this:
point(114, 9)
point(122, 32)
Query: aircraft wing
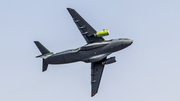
point(96, 74)
point(86, 30)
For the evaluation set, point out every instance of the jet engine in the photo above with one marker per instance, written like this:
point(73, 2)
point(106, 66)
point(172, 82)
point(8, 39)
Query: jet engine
point(109, 60)
point(102, 33)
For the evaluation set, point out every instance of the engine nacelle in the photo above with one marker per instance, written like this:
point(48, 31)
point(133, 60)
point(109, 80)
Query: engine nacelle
point(102, 33)
point(109, 61)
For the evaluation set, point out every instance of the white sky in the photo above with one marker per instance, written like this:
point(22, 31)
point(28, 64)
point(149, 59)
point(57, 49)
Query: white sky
point(148, 70)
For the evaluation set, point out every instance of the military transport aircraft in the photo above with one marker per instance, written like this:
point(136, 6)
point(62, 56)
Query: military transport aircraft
point(95, 51)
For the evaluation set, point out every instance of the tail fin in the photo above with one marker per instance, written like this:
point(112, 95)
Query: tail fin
point(45, 54)
point(45, 66)
point(42, 49)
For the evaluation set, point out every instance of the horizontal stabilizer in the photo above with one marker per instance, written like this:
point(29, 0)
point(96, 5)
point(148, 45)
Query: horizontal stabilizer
point(45, 55)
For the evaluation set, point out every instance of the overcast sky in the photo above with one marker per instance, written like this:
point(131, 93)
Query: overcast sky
point(148, 70)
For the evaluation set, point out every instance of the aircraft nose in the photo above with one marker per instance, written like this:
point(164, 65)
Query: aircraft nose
point(131, 41)
point(127, 43)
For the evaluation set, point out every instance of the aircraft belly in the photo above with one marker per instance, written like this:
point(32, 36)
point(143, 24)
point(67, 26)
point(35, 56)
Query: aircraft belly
point(72, 57)
point(92, 55)
point(58, 59)
point(87, 54)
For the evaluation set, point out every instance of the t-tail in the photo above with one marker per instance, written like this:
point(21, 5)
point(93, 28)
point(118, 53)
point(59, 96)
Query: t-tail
point(45, 54)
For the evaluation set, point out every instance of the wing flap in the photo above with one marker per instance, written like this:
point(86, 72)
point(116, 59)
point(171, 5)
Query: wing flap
point(96, 74)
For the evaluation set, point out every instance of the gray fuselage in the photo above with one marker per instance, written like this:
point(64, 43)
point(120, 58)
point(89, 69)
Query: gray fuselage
point(89, 53)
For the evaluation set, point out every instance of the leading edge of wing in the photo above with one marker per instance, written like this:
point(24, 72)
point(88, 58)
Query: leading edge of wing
point(96, 74)
point(84, 27)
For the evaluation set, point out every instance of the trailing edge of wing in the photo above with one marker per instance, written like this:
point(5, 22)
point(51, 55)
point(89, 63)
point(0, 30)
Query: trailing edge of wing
point(96, 74)
point(86, 30)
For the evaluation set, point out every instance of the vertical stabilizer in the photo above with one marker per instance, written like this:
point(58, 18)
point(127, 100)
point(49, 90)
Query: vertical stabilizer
point(44, 66)
point(41, 48)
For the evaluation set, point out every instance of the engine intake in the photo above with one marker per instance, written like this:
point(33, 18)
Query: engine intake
point(109, 60)
point(102, 33)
